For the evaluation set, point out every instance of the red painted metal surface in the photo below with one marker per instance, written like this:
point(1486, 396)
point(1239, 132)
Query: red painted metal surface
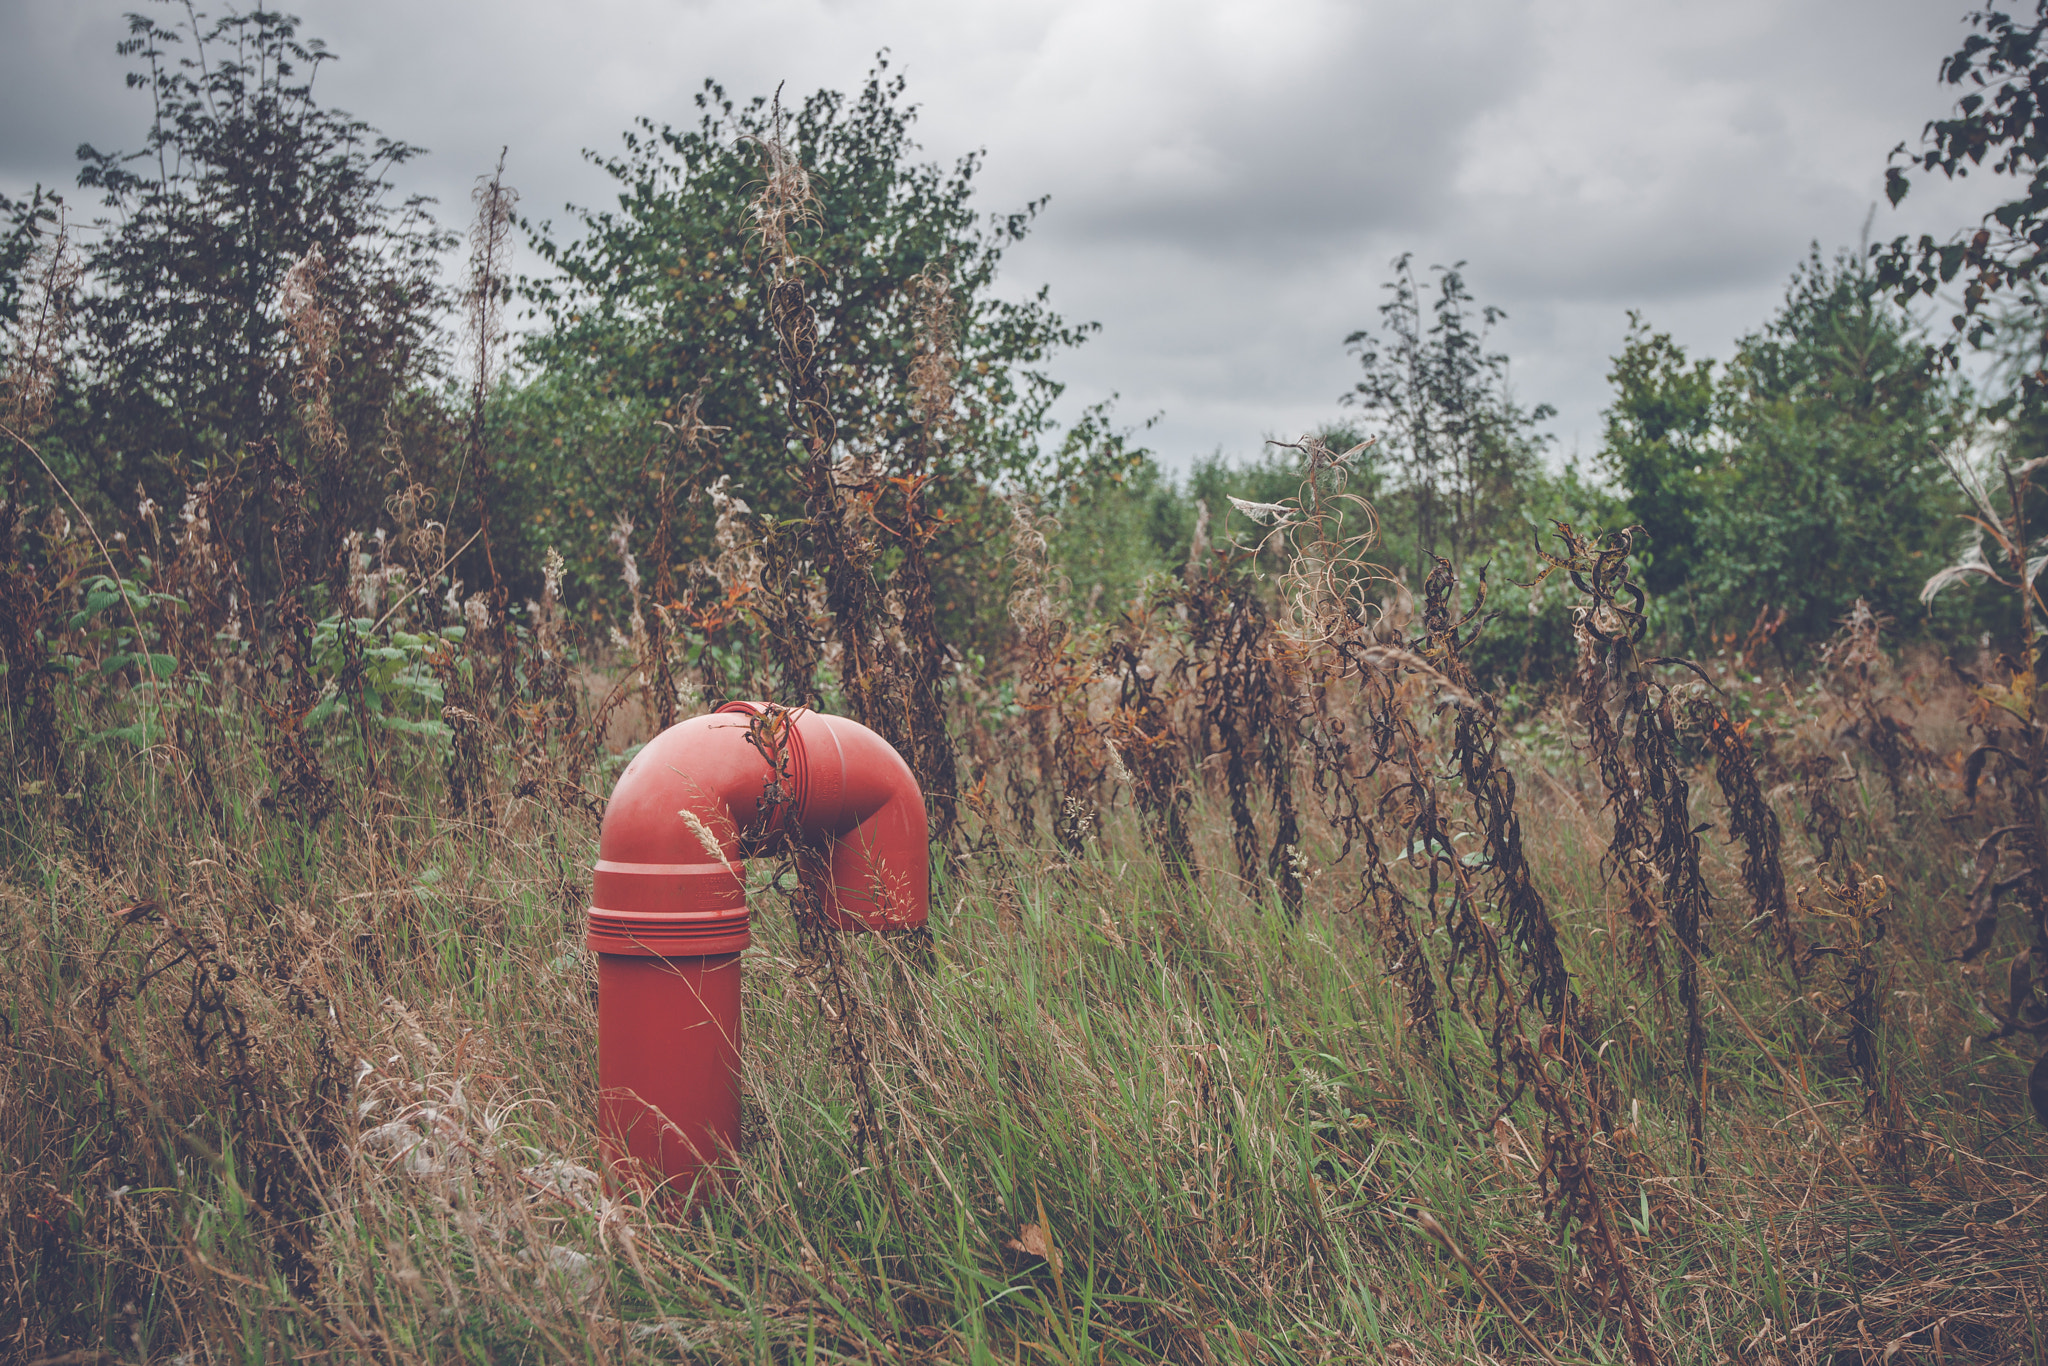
point(668, 906)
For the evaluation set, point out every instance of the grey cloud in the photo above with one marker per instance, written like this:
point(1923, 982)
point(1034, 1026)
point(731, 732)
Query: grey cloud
point(61, 85)
point(1360, 131)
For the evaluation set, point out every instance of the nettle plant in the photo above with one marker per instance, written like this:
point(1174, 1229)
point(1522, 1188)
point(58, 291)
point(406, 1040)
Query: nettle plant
point(376, 673)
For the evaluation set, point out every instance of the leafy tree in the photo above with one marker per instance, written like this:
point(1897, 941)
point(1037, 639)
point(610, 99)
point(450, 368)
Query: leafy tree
point(659, 303)
point(2000, 125)
point(191, 351)
point(1660, 432)
point(1457, 442)
point(1806, 474)
point(1117, 531)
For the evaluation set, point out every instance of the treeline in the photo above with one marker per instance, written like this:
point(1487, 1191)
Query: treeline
point(1809, 471)
point(249, 287)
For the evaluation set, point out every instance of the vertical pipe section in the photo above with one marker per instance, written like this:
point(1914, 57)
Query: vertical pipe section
point(669, 918)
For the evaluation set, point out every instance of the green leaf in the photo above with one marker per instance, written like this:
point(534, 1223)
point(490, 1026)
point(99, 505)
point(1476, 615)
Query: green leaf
point(160, 666)
point(433, 730)
point(141, 735)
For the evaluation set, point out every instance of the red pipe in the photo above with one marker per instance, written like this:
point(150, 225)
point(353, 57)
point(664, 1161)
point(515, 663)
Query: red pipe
point(668, 905)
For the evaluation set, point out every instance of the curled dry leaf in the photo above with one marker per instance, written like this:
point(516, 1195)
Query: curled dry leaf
point(1032, 1241)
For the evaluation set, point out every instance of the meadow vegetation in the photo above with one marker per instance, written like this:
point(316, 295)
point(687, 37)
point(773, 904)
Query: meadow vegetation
point(1393, 898)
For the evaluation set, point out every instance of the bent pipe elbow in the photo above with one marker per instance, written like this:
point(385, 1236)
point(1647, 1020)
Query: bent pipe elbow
point(671, 870)
point(668, 911)
point(858, 807)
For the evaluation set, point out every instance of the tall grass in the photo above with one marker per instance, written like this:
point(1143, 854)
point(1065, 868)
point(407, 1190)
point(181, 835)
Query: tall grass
point(278, 1087)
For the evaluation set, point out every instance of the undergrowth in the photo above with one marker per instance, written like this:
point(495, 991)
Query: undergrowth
point(1285, 997)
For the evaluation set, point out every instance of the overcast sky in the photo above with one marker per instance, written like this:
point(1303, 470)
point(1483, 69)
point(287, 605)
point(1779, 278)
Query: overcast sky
point(1228, 180)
